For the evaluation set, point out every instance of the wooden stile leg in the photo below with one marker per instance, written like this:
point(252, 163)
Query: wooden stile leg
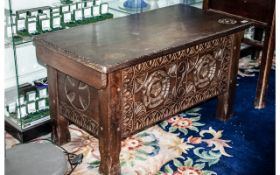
point(109, 131)
point(60, 132)
point(109, 148)
point(226, 100)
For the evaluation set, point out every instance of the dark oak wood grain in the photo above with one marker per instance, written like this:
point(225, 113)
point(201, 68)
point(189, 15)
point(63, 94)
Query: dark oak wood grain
point(110, 130)
point(137, 37)
point(262, 14)
point(60, 132)
point(76, 70)
point(259, 10)
point(116, 78)
point(226, 99)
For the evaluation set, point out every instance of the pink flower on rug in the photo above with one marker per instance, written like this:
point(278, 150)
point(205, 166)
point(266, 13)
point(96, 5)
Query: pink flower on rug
point(173, 119)
point(186, 170)
point(132, 143)
point(182, 123)
point(194, 140)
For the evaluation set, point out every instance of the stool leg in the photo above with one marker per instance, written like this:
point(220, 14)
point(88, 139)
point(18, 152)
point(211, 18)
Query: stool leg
point(109, 131)
point(226, 100)
point(266, 63)
point(60, 132)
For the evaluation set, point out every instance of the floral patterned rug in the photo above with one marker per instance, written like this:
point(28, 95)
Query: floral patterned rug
point(193, 142)
point(162, 149)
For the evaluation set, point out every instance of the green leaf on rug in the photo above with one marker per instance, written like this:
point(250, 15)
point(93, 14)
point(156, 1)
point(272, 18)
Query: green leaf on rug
point(193, 110)
point(167, 169)
point(206, 172)
point(188, 162)
point(184, 131)
point(177, 163)
point(164, 124)
point(94, 164)
point(171, 129)
point(199, 165)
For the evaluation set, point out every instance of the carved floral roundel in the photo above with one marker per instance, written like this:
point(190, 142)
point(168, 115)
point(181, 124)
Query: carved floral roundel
point(205, 70)
point(156, 89)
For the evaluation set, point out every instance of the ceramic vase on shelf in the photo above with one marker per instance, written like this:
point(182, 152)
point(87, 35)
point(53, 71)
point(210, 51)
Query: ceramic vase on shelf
point(154, 4)
point(135, 4)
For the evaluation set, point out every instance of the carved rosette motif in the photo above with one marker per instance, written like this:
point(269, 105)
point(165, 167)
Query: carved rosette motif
point(205, 70)
point(154, 89)
point(158, 88)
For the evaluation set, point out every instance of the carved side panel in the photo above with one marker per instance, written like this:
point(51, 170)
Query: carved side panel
point(161, 87)
point(78, 103)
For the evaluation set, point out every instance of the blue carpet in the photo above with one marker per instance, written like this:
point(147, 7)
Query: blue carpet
point(251, 133)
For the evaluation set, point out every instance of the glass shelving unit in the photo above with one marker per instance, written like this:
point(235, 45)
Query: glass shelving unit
point(26, 95)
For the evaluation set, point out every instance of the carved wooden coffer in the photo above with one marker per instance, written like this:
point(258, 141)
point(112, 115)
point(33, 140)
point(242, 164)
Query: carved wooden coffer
point(153, 90)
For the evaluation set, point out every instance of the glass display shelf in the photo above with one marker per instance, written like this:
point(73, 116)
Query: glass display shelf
point(24, 37)
point(26, 96)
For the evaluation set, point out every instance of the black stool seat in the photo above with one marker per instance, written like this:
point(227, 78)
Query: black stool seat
point(35, 159)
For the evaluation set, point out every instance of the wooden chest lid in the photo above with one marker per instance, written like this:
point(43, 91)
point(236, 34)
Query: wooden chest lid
point(115, 44)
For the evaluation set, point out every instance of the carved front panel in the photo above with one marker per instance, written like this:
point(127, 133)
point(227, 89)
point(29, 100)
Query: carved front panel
point(161, 87)
point(78, 103)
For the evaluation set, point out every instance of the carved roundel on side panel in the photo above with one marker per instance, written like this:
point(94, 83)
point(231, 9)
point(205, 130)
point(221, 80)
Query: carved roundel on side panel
point(205, 70)
point(156, 89)
point(77, 93)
